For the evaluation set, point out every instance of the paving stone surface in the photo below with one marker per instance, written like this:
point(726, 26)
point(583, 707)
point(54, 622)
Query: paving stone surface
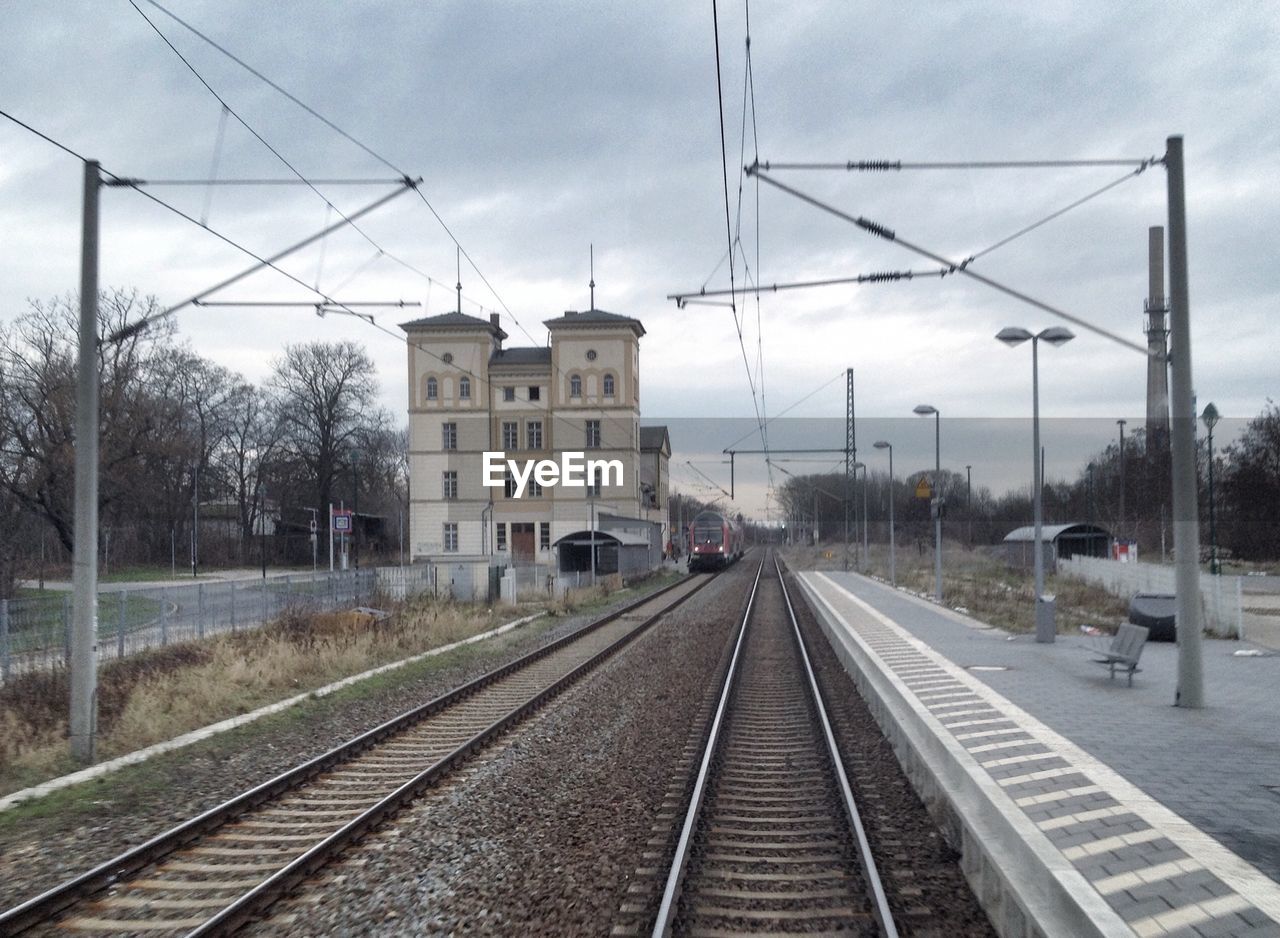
point(1120, 781)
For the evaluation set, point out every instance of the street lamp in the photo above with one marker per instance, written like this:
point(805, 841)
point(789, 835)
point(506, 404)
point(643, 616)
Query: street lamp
point(925, 410)
point(1211, 418)
point(893, 571)
point(866, 558)
point(1055, 335)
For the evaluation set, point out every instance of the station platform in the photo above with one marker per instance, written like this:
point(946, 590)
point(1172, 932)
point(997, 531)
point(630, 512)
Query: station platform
point(1082, 806)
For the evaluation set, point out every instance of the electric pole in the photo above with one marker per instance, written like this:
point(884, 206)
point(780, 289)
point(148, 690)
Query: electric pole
point(84, 602)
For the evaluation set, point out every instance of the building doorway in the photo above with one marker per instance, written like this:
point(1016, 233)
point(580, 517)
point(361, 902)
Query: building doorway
point(522, 542)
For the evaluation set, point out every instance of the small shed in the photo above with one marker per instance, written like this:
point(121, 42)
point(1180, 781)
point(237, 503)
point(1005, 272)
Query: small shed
point(1058, 542)
point(619, 551)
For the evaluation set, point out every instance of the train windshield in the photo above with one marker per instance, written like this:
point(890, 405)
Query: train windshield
point(708, 535)
point(708, 529)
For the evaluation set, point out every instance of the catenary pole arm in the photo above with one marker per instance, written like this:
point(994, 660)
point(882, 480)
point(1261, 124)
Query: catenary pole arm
point(266, 262)
point(958, 266)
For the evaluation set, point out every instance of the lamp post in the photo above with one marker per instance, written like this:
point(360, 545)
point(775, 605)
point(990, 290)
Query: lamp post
point(1211, 418)
point(1056, 335)
point(262, 518)
point(925, 410)
point(355, 508)
point(1120, 526)
point(968, 506)
point(893, 571)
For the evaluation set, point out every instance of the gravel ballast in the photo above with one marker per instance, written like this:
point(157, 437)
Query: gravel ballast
point(542, 834)
point(43, 843)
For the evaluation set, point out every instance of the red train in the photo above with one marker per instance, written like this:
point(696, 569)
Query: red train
point(715, 541)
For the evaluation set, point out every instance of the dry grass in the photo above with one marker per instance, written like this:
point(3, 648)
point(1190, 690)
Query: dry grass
point(154, 696)
point(982, 585)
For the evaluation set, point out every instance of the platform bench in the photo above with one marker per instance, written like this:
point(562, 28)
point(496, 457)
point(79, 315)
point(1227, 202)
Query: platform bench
point(1125, 650)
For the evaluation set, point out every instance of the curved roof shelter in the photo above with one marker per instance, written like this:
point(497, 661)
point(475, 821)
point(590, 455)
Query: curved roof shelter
point(1060, 542)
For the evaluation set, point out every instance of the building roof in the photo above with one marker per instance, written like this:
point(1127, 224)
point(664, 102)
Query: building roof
point(594, 317)
point(655, 437)
point(1051, 532)
point(536, 355)
point(455, 321)
point(622, 537)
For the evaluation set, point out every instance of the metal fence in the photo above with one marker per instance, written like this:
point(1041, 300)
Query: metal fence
point(35, 633)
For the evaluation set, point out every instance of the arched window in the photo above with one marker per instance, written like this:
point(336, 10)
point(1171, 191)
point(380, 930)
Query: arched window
point(608, 385)
point(433, 389)
point(575, 385)
point(464, 388)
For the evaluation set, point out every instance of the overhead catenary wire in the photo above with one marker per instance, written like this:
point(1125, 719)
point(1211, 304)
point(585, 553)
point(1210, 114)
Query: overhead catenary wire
point(962, 267)
point(728, 224)
point(559, 372)
point(683, 299)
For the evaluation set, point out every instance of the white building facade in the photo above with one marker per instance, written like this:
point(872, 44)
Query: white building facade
point(469, 395)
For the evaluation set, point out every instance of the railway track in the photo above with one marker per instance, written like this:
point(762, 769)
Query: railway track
point(772, 841)
point(215, 872)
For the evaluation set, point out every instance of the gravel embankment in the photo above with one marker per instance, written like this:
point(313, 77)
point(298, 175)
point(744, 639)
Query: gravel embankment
point(542, 834)
point(88, 825)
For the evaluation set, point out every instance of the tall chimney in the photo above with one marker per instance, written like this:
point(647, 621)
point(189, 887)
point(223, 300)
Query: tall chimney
point(1156, 308)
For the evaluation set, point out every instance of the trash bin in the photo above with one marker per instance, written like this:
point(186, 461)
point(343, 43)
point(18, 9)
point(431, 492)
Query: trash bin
point(1046, 627)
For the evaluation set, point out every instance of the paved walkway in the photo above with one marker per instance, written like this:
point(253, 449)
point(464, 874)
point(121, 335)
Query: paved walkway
point(1171, 815)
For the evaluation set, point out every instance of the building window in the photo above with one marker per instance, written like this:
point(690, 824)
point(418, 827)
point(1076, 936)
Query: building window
point(591, 354)
point(593, 434)
point(535, 489)
point(535, 393)
point(593, 487)
point(464, 388)
point(450, 482)
point(544, 536)
point(608, 385)
point(502, 535)
point(510, 435)
point(575, 385)
point(508, 394)
point(448, 436)
point(433, 389)
point(533, 434)
point(451, 537)
point(509, 485)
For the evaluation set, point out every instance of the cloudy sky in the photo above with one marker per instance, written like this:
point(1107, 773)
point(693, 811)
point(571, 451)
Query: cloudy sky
point(541, 128)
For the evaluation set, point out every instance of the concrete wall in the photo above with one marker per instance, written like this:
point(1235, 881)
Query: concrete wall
point(1220, 596)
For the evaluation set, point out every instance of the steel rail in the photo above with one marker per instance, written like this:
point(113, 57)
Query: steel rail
point(680, 862)
point(49, 903)
point(874, 885)
point(278, 884)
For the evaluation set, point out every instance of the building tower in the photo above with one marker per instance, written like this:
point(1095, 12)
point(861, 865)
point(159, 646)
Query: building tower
point(1155, 309)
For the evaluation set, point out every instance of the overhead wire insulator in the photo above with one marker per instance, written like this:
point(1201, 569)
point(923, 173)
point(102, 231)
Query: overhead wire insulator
point(873, 165)
point(875, 229)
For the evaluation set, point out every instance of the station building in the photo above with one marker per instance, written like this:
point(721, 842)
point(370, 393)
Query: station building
point(469, 394)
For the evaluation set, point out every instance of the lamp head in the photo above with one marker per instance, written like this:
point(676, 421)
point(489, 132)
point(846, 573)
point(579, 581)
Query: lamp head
point(1057, 335)
point(1210, 416)
point(924, 410)
point(1013, 335)
point(882, 444)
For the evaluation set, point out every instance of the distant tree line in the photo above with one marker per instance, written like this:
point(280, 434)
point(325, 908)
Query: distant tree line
point(181, 437)
point(1246, 498)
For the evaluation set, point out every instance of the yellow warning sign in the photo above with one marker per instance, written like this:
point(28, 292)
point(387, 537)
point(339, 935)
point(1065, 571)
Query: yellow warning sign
point(923, 488)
